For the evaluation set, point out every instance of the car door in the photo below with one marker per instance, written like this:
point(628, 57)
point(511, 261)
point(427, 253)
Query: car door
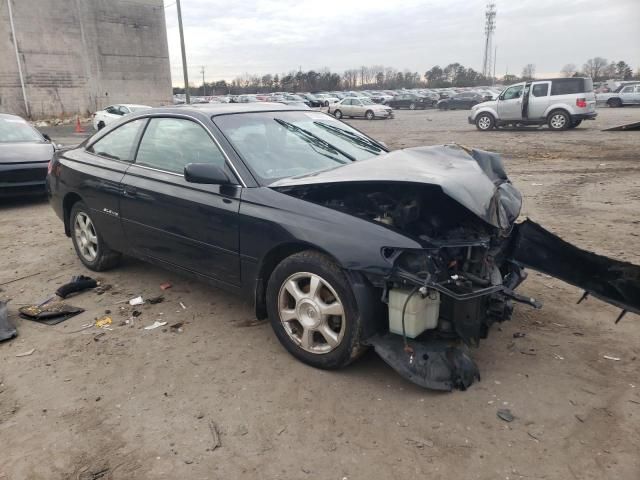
point(627, 95)
point(166, 218)
point(636, 93)
point(357, 109)
point(538, 100)
point(510, 103)
point(99, 169)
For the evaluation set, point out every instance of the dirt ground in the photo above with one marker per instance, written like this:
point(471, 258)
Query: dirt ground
point(137, 404)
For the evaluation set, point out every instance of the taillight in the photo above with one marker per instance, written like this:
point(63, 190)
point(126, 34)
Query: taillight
point(581, 102)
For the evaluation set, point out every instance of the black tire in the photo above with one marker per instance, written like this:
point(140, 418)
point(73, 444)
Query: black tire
point(558, 120)
point(412, 106)
point(326, 103)
point(614, 102)
point(485, 122)
point(575, 123)
point(369, 115)
point(349, 347)
point(337, 114)
point(443, 106)
point(101, 125)
point(105, 258)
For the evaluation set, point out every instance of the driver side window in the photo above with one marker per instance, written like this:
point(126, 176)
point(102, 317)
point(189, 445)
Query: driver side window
point(513, 92)
point(170, 144)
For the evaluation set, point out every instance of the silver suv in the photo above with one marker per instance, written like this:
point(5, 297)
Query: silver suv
point(561, 103)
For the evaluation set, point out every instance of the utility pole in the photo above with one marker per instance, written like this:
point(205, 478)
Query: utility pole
point(495, 55)
point(15, 46)
point(184, 55)
point(489, 28)
point(204, 88)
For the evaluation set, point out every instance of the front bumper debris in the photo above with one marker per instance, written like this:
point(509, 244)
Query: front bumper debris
point(436, 364)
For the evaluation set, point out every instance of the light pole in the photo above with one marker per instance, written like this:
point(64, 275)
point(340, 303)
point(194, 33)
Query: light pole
point(184, 55)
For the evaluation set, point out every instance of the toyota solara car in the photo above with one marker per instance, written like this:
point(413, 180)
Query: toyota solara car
point(24, 157)
point(342, 244)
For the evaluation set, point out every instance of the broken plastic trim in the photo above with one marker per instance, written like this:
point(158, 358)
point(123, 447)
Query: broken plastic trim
point(612, 281)
point(434, 364)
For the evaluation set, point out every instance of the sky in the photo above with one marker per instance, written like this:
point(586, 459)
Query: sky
point(230, 38)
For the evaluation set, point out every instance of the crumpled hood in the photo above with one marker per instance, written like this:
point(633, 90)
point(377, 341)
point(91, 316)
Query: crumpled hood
point(25, 152)
point(474, 178)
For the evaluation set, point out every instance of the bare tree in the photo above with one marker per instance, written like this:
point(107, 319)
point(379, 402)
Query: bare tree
point(569, 70)
point(594, 67)
point(529, 71)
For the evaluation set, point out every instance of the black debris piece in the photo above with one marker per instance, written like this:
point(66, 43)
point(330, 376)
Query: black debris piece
point(77, 284)
point(50, 313)
point(154, 300)
point(7, 329)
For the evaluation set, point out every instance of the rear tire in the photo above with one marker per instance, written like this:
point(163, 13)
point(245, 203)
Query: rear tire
point(300, 290)
point(91, 249)
point(559, 120)
point(337, 114)
point(412, 106)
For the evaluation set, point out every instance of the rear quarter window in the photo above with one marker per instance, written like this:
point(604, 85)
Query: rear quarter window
point(567, 86)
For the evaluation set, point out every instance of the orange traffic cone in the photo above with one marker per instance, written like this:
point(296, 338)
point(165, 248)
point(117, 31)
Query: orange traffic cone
point(79, 128)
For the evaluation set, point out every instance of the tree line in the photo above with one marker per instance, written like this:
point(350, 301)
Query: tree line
point(379, 77)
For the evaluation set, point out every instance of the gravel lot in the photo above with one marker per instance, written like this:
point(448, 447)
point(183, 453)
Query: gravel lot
point(137, 404)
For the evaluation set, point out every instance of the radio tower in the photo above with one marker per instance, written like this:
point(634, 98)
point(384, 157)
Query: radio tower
point(489, 28)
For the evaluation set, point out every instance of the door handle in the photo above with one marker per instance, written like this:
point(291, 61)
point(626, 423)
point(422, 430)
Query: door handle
point(130, 191)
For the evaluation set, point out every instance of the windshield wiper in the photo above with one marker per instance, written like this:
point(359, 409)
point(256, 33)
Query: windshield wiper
point(312, 139)
point(369, 145)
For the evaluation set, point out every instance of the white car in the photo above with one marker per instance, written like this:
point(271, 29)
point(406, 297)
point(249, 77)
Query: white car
point(102, 118)
point(360, 107)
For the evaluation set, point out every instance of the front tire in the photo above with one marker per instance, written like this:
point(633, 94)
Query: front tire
point(337, 114)
point(91, 249)
point(369, 115)
point(412, 106)
point(614, 102)
point(313, 312)
point(485, 122)
point(559, 120)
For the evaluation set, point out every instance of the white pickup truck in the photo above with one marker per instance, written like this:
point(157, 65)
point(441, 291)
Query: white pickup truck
point(628, 94)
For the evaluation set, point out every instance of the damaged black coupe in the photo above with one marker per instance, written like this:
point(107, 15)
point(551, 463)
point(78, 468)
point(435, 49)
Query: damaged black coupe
point(342, 244)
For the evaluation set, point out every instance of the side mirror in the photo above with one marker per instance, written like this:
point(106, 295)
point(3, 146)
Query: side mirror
point(206, 173)
point(47, 138)
point(501, 97)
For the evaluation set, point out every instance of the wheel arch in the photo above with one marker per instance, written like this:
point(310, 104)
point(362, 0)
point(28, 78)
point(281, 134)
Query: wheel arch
point(70, 199)
point(554, 108)
point(268, 264)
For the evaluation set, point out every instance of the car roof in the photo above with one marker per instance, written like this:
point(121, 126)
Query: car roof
point(8, 115)
point(213, 109)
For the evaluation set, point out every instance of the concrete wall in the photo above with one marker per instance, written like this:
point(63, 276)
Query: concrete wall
point(81, 55)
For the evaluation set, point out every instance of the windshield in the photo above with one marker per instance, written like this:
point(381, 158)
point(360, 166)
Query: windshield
point(138, 108)
point(17, 130)
point(277, 145)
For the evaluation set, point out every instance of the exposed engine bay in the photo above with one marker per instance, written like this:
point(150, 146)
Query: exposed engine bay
point(443, 298)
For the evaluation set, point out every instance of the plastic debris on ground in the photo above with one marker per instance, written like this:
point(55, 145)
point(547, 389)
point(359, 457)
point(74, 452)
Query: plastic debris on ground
point(505, 414)
point(155, 325)
point(183, 306)
point(7, 329)
point(26, 354)
point(50, 313)
point(136, 301)
point(77, 284)
point(165, 285)
point(103, 321)
point(609, 357)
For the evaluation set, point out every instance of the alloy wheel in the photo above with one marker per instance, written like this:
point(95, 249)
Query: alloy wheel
point(558, 121)
point(311, 313)
point(484, 122)
point(86, 237)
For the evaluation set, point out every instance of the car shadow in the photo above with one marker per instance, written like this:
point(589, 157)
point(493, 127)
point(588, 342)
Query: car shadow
point(22, 201)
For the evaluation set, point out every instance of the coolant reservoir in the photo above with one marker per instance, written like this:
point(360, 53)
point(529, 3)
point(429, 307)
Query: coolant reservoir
point(420, 314)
